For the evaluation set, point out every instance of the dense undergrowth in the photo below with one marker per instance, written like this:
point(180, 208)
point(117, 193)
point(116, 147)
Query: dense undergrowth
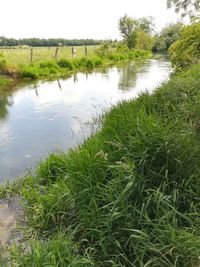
point(129, 196)
point(62, 67)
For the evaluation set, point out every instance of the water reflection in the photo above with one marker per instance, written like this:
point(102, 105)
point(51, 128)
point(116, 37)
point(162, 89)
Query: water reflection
point(5, 102)
point(40, 118)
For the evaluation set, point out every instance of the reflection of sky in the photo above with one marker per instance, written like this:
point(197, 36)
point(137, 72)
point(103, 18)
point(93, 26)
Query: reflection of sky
point(51, 115)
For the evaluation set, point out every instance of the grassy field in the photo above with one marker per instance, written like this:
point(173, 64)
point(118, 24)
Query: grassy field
point(16, 56)
point(129, 196)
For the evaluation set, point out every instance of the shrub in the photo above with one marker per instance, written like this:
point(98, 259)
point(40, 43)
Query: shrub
point(90, 63)
point(65, 63)
point(82, 62)
point(48, 64)
point(98, 62)
point(186, 50)
point(29, 72)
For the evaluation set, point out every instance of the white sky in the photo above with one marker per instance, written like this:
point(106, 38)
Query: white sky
point(76, 18)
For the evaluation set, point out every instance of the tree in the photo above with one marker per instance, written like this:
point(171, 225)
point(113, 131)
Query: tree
point(128, 28)
point(167, 37)
point(186, 7)
point(146, 24)
point(144, 41)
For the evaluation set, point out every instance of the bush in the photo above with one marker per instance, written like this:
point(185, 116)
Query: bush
point(48, 64)
point(186, 51)
point(90, 63)
point(65, 63)
point(29, 72)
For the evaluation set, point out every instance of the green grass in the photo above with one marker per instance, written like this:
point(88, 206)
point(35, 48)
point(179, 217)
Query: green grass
point(5, 81)
point(16, 56)
point(129, 196)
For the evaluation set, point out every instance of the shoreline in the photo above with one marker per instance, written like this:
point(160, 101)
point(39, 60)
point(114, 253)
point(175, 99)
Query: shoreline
point(134, 180)
point(51, 69)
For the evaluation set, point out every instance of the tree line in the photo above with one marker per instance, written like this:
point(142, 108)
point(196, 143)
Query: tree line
point(46, 42)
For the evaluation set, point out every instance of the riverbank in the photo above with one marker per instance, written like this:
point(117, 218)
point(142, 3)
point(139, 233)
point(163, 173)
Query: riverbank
point(64, 67)
point(128, 196)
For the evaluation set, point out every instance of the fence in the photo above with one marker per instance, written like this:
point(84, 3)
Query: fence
point(27, 55)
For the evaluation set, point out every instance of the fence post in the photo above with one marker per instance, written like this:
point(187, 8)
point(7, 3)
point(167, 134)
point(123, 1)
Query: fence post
point(86, 51)
point(56, 53)
point(31, 55)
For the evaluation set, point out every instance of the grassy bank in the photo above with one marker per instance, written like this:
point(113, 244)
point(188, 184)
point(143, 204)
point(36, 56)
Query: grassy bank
point(129, 196)
point(62, 67)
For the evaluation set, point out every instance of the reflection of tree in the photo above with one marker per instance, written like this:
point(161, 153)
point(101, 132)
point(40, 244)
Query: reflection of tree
point(128, 74)
point(5, 103)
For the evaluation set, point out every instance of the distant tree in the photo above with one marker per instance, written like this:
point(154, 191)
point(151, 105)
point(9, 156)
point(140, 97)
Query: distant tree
point(186, 7)
point(167, 37)
point(46, 42)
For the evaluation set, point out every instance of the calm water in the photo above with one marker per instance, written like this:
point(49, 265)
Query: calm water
point(47, 116)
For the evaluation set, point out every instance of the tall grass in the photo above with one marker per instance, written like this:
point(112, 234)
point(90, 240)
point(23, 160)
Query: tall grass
point(129, 196)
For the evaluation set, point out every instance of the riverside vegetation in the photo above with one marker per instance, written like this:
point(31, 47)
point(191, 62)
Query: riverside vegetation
point(129, 196)
point(62, 67)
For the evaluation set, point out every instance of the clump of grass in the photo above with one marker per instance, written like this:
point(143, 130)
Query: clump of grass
point(30, 72)
point(60, 251)
point(48, 64)
point(2, 62)
point(65, 63)
point(5, 81)
point(130, 194)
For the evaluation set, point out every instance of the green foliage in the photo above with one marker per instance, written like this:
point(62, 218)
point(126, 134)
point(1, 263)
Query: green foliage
point(89, 64)
point(59, 252)
point(128, 27)
point(48, 64)
point(146, 24)
point(103, 49)
point(2, 62)
point(122, 47)
point(144, 41)
point(37, 42)
point(130, 194)
point(5, 81)
point(186, 50)
point(65, 63)
point(186, 7)
point(131, 29)
point(167, 37)
point(29, 72)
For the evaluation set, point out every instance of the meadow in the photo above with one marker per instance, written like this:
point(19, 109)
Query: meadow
point(129, 196)
point(16, 56)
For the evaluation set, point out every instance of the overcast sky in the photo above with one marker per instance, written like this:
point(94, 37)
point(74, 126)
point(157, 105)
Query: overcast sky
point(76, 18)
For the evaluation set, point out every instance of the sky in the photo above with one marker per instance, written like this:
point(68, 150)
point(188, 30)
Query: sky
point(76, 19)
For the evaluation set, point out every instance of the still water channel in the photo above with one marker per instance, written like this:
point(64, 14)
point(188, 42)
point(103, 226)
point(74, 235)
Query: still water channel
point(43, 117)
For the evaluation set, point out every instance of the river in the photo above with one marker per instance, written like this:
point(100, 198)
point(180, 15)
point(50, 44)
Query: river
point(43, 117)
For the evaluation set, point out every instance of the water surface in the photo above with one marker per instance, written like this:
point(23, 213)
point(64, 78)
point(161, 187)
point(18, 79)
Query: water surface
point(40, 118)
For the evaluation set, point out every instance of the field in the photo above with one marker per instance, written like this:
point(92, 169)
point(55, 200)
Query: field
point(16, 56)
